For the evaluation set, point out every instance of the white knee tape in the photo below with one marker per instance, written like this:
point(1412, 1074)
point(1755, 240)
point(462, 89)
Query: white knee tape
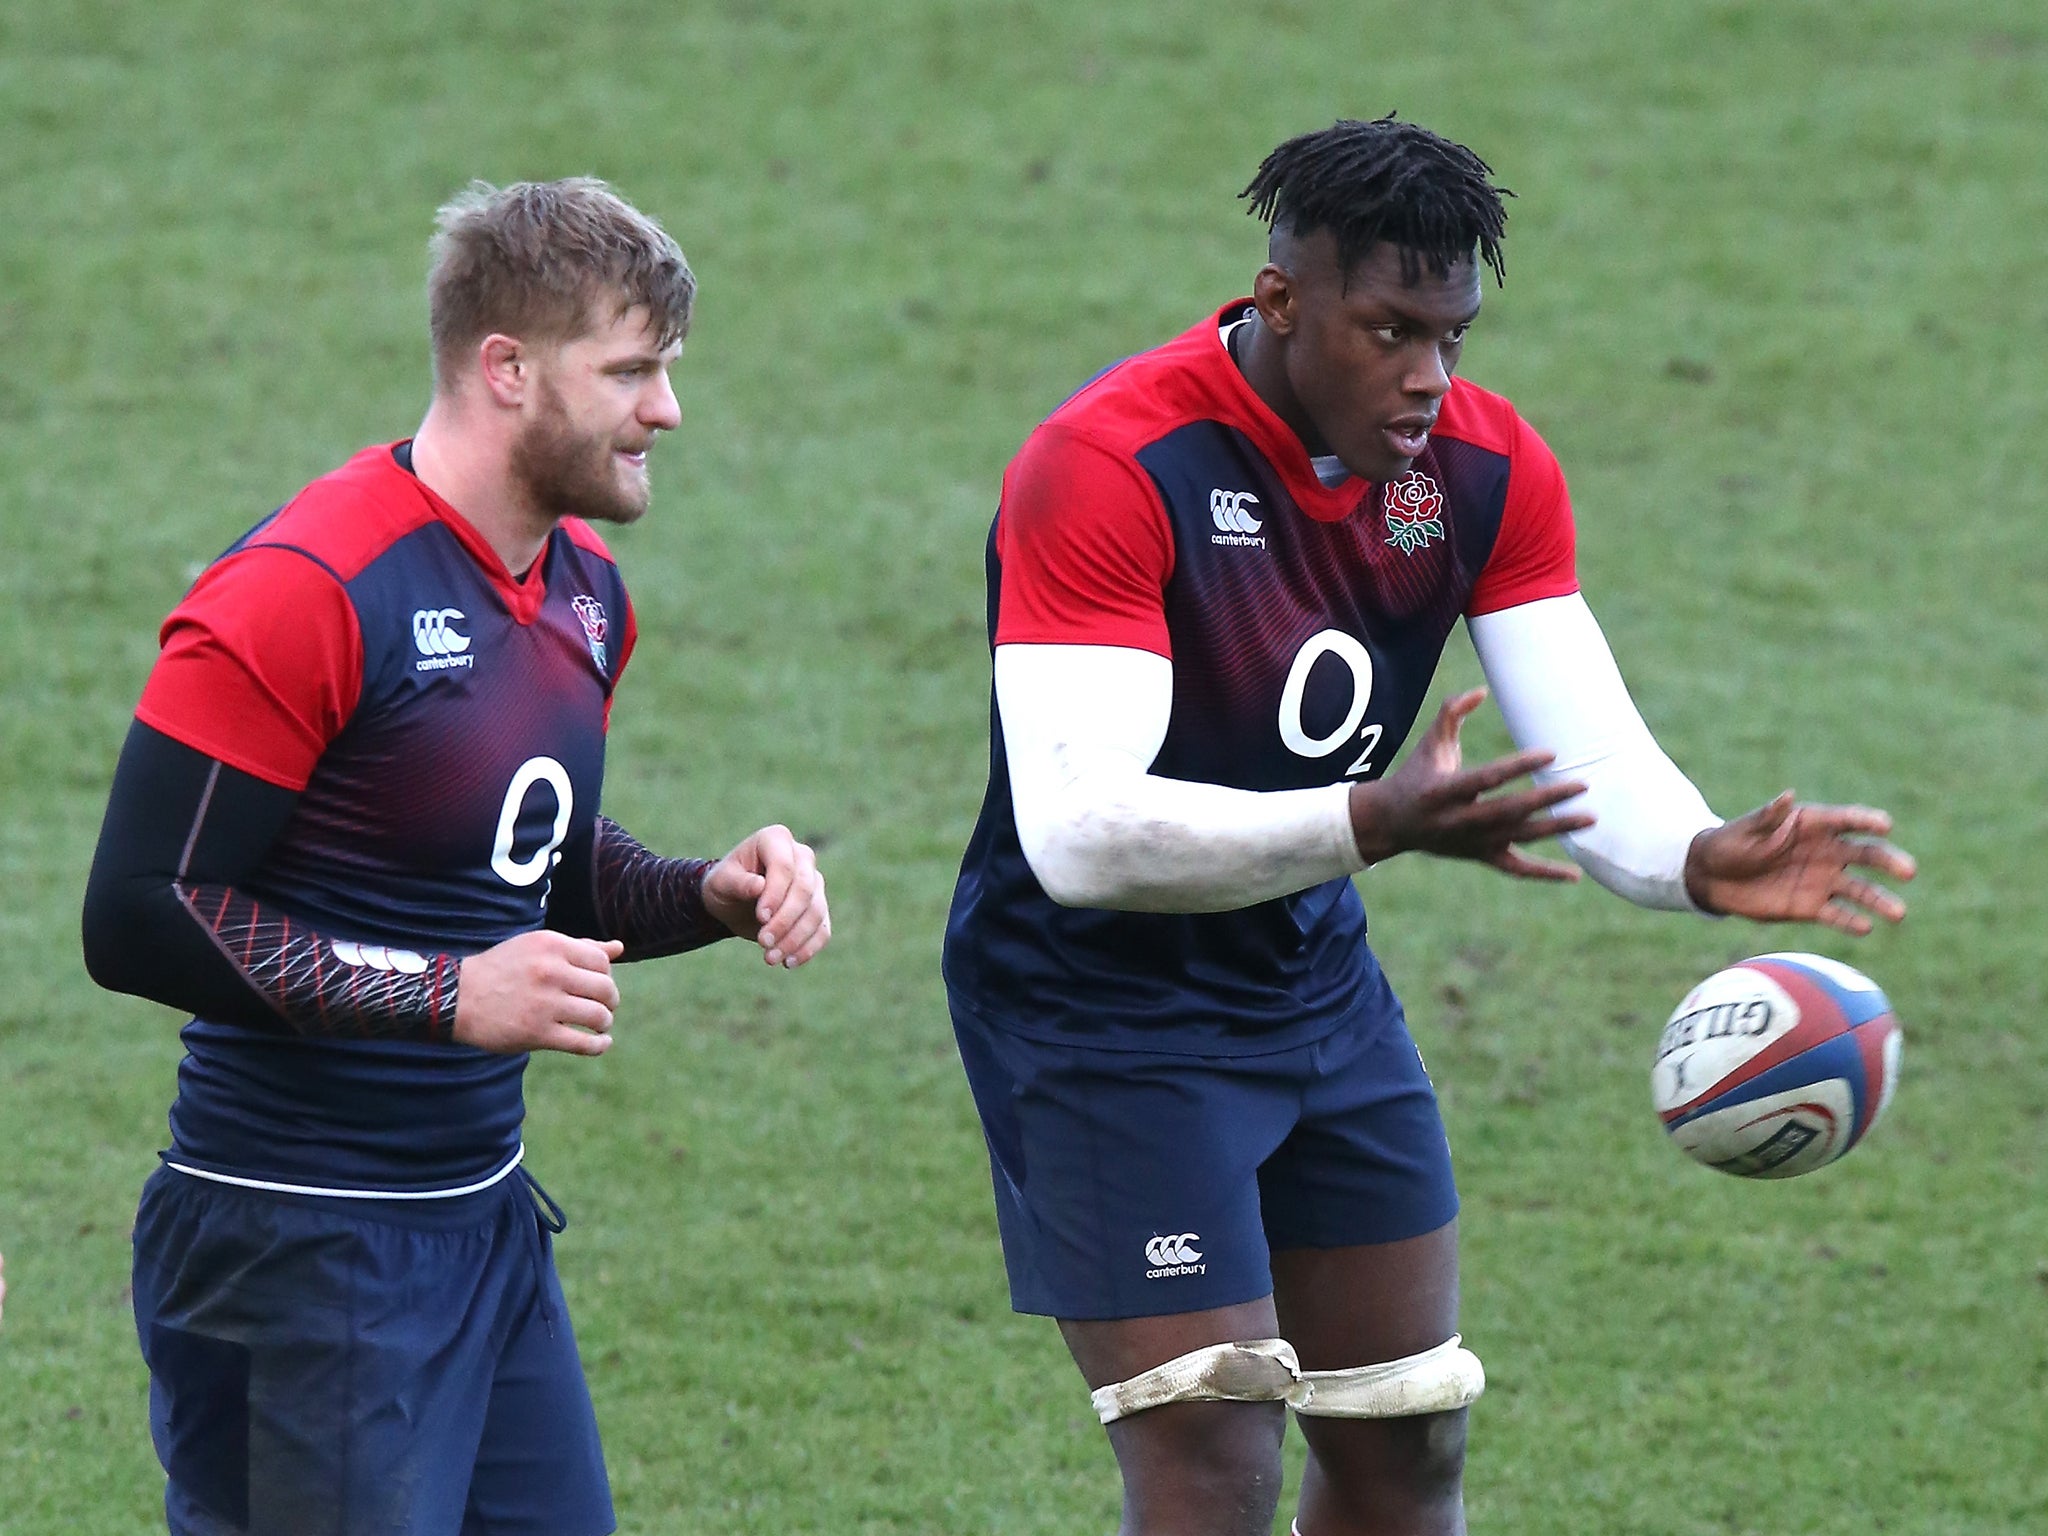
point(1268, 1371)
point(1435, 1381)
point(1254, 1371)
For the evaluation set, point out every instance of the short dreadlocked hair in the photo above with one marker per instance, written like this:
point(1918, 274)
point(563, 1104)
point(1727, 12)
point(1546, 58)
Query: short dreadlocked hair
point(1384, 180)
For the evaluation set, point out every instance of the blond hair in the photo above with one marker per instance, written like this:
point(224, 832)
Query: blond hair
point(540, 259)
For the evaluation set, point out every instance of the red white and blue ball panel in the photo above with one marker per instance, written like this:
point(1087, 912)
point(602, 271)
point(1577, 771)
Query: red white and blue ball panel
point(1776, 1066)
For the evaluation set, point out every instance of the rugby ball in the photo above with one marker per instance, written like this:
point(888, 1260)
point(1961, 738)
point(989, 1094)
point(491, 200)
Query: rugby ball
point(1776, 1066)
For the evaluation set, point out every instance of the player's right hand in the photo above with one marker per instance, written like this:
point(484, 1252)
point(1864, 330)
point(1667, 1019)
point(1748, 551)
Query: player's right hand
point(540, 991)
point(1432, 804)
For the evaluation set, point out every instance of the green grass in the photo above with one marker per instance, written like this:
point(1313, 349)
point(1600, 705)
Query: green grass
point(1774, 299)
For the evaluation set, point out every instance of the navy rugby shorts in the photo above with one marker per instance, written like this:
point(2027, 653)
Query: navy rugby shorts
point(326, 1367)
point(1138, 1184)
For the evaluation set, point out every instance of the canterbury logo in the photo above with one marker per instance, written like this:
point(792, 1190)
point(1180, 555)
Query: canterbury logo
point(379, 958)
point(433, 635)
point(1227, 511)
point(438, 641)
point(1177, 1249)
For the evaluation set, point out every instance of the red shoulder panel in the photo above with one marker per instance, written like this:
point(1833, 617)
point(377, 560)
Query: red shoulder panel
point(1536, 552)
point(1479, 417)
point(1084, 545)
point(262, 664)
point(583, 536)
point(349, 517)
point(1192, 378)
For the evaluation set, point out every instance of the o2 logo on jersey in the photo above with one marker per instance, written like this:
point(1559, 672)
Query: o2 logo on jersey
point(530, 775)
point(1415, 512)
point(1352, 728)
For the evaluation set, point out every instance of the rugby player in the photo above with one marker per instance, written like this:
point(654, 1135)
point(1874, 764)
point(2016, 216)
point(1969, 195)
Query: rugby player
point(1220, 579)
point(354, 830)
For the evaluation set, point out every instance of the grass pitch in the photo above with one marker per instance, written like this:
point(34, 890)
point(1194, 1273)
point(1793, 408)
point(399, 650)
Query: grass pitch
point(1774, 297)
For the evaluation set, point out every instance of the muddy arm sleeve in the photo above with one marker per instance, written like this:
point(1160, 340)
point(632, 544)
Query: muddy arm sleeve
point(1559, 689)
point(1081, 726)
point(167, 917)
point(610, 887)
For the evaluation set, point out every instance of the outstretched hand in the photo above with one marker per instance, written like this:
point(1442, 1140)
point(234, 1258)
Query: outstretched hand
point(1432, 804)
point(1787, 862)
point(768, 889)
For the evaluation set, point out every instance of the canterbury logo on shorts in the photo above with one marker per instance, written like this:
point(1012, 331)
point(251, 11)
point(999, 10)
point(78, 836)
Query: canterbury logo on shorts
point(1174, 1255)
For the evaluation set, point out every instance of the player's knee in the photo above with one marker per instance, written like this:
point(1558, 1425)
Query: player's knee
point(1437, 1456)
point(1393, 1470)
point(1207, 1468)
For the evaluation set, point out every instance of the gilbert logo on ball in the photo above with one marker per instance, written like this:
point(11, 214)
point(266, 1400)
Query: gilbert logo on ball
point(1776, 1066)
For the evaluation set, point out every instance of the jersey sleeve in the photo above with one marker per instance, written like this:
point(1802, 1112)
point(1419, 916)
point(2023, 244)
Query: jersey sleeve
point(261, 665)
point(608, 886)
point(1535, 555)
point(1085, 548)
point(167, 916)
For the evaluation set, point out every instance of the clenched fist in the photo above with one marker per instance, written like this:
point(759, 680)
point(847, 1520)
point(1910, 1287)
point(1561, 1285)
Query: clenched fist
point(540, 991)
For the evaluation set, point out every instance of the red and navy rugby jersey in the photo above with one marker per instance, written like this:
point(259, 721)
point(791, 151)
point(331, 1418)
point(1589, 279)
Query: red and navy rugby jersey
point(1166, 508)
point(443, 724)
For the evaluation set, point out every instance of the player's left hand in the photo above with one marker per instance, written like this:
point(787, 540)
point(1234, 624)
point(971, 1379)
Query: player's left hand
point(769, 890)
point(1788, 862)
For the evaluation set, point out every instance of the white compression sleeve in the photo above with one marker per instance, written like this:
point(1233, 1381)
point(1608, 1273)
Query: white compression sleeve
point(1081, 726)
point(1556, 683)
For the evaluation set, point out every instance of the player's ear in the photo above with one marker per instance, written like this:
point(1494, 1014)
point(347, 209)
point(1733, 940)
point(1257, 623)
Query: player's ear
point(506, 367)
point(1276, 294)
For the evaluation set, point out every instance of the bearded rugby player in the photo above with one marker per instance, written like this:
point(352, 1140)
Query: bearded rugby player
point(354, 831)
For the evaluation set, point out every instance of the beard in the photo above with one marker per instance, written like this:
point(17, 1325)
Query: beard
point(571, 473)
